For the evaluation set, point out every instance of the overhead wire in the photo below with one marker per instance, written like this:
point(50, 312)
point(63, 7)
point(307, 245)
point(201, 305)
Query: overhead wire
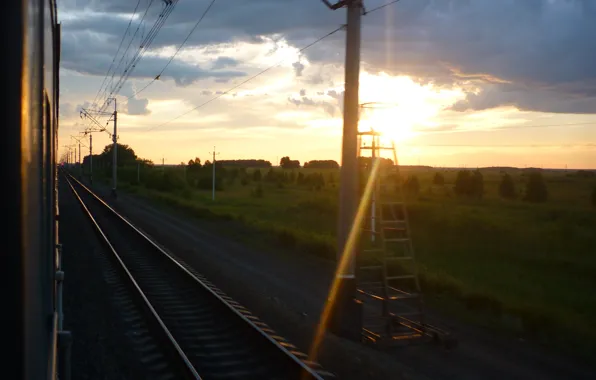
point(104, 97)
point(177, 50)
point(117, 51)
point(265, 70)
point(381, 7)
point(143, 48)
point(247, 80)
point(500, 128)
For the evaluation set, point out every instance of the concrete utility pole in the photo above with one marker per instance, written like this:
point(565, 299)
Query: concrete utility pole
point(88, 114)
point(213, 163)
point(115, 151)
point(91, 159)
point(346, 313)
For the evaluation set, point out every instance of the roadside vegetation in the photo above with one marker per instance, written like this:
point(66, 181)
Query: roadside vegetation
point(516, 245)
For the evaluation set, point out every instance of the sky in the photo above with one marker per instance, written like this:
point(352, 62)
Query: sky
point(455, 83)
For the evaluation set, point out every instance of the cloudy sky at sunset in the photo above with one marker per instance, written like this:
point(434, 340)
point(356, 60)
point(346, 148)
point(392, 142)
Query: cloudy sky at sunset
point(471, 82)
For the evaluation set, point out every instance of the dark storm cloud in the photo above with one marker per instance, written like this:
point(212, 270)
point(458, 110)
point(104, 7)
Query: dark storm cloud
point(527, 100)
point(76, 56)
point(534, 54)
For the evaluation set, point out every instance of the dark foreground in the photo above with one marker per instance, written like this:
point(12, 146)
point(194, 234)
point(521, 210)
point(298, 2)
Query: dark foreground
point(288, 291)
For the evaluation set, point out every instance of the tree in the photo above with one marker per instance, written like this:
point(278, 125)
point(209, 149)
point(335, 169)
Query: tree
point(477, 189)
point(412, 185)
point(536, 190)
point(507, 187)
point(439, 180)
point(256, 175)
point(463, 183)
point(195, 163)
point(125, 155)
point(469, 184)
point(287, 163)
point(321, 164)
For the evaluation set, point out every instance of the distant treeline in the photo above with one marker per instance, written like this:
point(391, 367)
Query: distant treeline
point(321, 164)
point(251, 163)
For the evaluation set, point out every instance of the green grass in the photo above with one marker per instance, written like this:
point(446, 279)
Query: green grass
point(536, 262)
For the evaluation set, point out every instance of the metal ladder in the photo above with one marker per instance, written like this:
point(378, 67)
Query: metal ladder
point(388, 283)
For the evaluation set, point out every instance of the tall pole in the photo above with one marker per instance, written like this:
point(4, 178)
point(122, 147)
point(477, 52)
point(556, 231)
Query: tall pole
point(345, 314)
point(91, 159)
point(373, 220)
point(80, 162)
point(213, 175)
point(115, 151)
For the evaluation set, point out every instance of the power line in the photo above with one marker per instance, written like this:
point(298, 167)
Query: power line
point(267, 69)
point(124, 53)
point(177, 50)
point(381, 7)
point(117, 51)
point(248, 80)
point(144, 46)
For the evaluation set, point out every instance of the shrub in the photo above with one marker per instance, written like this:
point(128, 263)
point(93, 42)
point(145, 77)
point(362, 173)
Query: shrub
point(412, 186)
point(462, 183)
point(258, 191)
point(477, 189)
point(468, 184)
point(536, 190)
point(507, 187)
point(439, 179)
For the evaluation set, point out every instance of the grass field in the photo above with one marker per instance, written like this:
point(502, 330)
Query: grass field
point(531, 267)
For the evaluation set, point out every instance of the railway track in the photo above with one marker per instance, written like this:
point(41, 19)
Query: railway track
point(202, 333)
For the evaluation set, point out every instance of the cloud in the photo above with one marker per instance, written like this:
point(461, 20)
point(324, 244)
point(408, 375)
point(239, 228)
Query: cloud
point(534, 54)
point(137, 106)
point(303, 100)
point(298, 68)
point(437, 128)
point(223, 62)
point(526, 99)
point(67, 110)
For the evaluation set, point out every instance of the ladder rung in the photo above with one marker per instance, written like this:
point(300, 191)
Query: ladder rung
point(391, 296)
point(376, 284)
point(394, 228)
point(377, 147)
point(407, 314)
point(371, 231)
point(393, 221)
point(400, 240)
point(401, 296)
point(401, 277)
point(398, 258)
point(374, 250)
point(371, 267)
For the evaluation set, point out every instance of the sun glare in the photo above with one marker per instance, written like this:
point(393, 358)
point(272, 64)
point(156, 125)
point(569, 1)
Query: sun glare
point(392, 123)
point(398, 106)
